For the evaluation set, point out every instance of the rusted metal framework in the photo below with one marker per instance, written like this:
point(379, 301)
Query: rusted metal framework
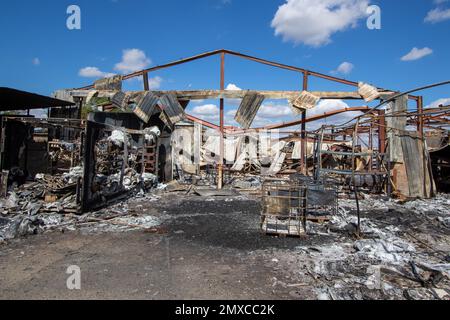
point(305, 75)
point(422, 132)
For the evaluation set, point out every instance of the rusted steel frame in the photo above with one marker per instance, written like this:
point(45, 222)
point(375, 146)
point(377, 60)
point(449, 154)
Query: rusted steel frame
point(434, 122)
point(304, 71)
point(420, 117)
point(291, 68)
point(355, 188)
point(381, 131)
point(438, 117)
point(202, 122)
point(315, 118)
point(371, 146)
point(437, 127)
point(222, 122)
point(248, 57)
point(303, 166)
point(167, 65)
point(175, 63)
point(318, 151)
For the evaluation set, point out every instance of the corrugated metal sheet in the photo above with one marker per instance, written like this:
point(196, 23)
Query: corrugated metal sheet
point(305, 101)
point(419, 179)
point(120, 100)
point(368, 92)
point(171, 108)
point(146, 106)
point(248, 109)
point(113, 83)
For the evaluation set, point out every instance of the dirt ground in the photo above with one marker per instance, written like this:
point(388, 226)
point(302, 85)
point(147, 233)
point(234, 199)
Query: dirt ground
point(202, 256)
point(203, 249)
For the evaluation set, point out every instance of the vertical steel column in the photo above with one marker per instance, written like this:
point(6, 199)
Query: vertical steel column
point(304, 167)
point(420, 123)
point(222, 124)
point(145, 79)
point(371, 144)
point(381, 131)
point(355, 188)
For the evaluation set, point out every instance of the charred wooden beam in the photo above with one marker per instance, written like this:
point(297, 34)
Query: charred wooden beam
point(233, 94)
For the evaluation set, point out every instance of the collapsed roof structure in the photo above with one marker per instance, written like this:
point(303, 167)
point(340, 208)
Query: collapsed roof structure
point(387, 126)
point(377, 151)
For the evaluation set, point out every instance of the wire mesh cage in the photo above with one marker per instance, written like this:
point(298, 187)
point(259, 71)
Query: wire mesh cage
point(283, 208)
point(287, 205)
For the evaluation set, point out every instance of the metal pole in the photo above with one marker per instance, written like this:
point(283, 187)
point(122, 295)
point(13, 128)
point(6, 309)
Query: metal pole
point(382, 132)
point(304, 167)
point(222, 124)
point(420, 123)
point(355, 189)
point(145, 78)
point(371, 146)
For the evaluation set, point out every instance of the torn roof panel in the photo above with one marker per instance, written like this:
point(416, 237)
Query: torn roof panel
point(120, 100)
point(368, 92)
point(248, 109)
point(304, 101)
point(146, 106)
point(172, 108)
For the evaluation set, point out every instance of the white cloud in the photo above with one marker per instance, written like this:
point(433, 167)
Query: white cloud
point(94, 72)
point(270, 111)
point(222, 3)
point(233, 102)
point(330, 105)
point(416, 54)
point(211, 113)
point(232, 87)
point(36, 61)
point(437, 15)
point(231, 113)
point(268, 114)
point(206, 110)
point(313, 22)
point(155, 83)
point(439, 102)
point(344, 68)
point(132, 60)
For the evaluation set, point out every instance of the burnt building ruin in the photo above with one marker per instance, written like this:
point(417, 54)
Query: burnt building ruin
point(133, 140)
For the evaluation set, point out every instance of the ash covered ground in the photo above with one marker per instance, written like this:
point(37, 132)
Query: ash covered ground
point(176, 245)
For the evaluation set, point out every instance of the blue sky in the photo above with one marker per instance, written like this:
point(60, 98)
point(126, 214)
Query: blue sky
point(40, 54)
